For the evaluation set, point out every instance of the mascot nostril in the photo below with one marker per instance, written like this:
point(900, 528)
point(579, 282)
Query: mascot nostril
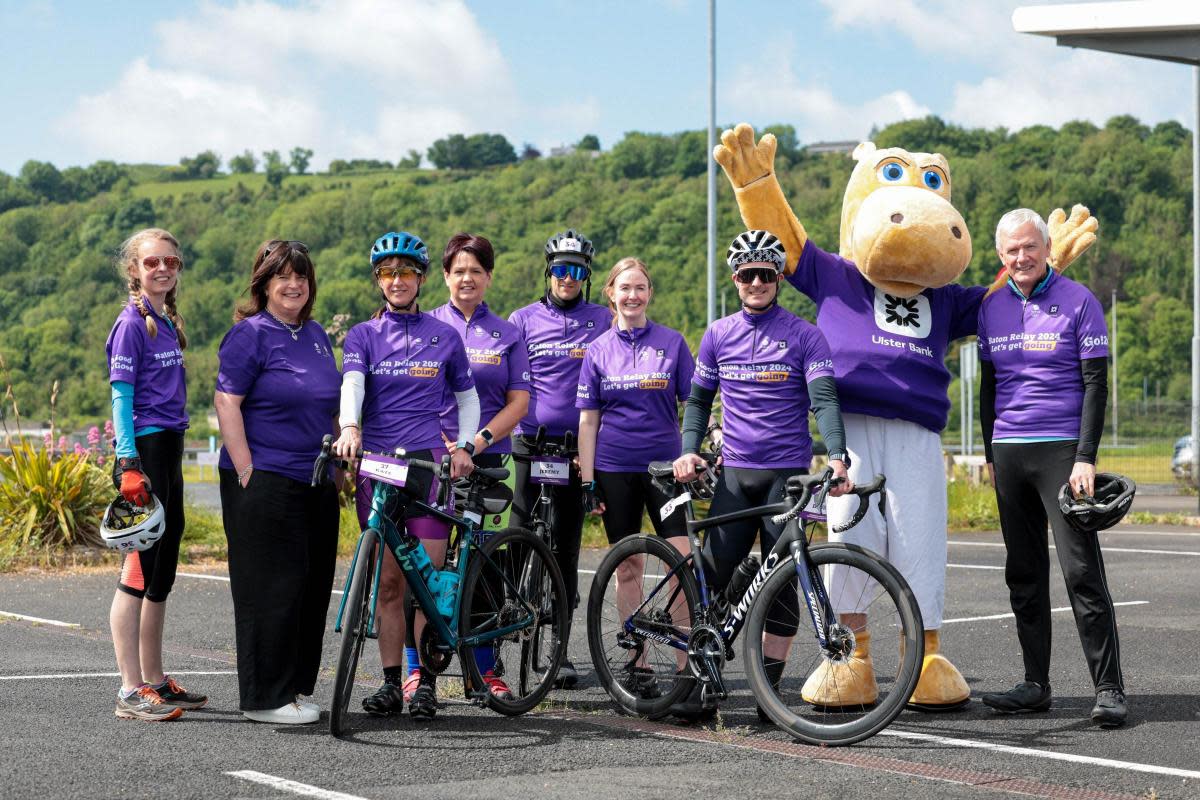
point(897, 218)
point(956, 231)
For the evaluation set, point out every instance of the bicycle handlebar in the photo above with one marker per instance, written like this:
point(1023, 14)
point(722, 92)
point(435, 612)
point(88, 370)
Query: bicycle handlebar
point(539, 447)
point(823, 483)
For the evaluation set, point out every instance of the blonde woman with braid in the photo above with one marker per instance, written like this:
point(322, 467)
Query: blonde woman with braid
point(149, 400)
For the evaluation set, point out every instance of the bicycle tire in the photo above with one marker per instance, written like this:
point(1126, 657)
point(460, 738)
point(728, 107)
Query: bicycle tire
point(354, 630)
point(647, 683)
point(892, 660)
point(497, 592)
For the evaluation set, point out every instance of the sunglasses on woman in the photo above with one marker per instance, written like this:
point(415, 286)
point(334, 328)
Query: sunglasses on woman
point(170, 262)
point(292, 244)
point(576, 272)
point(391, 273)
point(763, 274)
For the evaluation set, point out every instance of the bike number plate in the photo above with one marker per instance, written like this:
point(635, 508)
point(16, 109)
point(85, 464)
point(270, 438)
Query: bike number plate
point(384, 468)
point(670, 506)
point(550, 470)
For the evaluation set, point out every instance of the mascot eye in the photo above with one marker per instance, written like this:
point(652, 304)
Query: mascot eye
point(891, 172)
point(933, 180)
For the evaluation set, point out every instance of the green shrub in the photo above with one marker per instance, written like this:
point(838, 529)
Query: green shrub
point(50, 501)
point(972, 507)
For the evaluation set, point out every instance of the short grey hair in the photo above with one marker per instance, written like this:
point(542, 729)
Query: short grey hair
point(1018, 217)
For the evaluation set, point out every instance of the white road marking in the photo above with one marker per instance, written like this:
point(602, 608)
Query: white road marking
point(224, 578)
point(67, 675)
point(1105, 548)
point(973, 566)
point(1151, 533)
point(56, 622)
point(1052, 611)
point(283, 784)
point(1029, 751)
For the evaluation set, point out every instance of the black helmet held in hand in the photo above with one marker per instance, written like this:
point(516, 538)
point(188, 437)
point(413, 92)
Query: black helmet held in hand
point(1108, 506)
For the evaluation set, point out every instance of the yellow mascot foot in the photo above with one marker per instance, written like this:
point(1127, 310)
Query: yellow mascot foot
point(847, 683)
point(941, 686)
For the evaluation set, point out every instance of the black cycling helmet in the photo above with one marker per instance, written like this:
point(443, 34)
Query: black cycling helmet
point(571, 247)
point(1109, 505)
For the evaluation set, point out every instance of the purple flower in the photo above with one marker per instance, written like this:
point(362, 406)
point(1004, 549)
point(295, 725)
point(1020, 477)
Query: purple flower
point(93, 436)
point(78, 449)
point(62, 444)
point(109, 431)
point(100, 460)
point(48, 441)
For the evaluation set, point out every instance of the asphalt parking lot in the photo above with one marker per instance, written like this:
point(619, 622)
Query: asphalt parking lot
point(60, 739)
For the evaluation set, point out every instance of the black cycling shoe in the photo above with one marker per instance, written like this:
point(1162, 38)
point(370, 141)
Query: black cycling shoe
point(1025, 696)
point(567, 676)
point(387, 700)
point(694, 707)
point(641, 683)
point(1110, 709)
point(423, 705)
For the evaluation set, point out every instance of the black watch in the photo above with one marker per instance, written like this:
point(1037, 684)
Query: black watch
point(842, 457)
point(469, 447)
point(487, 436)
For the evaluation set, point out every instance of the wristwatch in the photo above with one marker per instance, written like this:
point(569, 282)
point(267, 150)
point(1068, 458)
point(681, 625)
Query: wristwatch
point(487, 436)
point(468, 446)
point(842, 457)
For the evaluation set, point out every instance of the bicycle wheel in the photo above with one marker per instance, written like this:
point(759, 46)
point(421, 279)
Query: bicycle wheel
point(354, 629)
point(640, 672)
point(514, 582)
point(849, 696)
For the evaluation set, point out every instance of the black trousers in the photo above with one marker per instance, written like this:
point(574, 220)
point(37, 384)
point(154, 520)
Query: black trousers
point(566, 523)
point(150, 574)
point(626, 495)
point(282, 549)
point(1028, 477)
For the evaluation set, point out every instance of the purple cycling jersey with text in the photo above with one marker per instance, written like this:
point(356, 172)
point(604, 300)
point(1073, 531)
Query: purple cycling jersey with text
point(153, 365)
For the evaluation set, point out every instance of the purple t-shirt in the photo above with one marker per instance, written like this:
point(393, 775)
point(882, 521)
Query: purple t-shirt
point(888, 352)
point(762, 364)
point(636, 378)
point(410, 362)
point(499, 363)
point(290, 391)
point(154, 366)
point(1036, 346)
point(557, 341)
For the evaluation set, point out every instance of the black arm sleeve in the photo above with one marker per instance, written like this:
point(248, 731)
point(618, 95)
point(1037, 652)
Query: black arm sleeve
point(987, 404)
point(696, 412)
point(1095, 399)
point(822, 393)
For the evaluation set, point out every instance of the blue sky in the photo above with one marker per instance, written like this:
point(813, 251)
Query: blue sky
point(155, 81)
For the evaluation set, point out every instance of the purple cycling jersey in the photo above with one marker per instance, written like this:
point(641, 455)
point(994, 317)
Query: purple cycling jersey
point(636, 378)
point(499, 363)
point(557, 340)
point(888, 352)
point(762, 364)
point(153, 365)
point(1036, 346)
point(289, 390)
point(410, 361)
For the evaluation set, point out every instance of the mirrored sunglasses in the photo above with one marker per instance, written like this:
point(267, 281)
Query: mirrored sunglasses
point(576, 272)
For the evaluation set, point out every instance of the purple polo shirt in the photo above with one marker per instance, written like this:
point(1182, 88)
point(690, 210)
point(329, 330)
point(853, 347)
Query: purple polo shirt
point(762, 364)
point(557, 341)
point(410, 362)
point(1036, 346)
point(153, 365)
point(636, 378)
point(289, 391)
point(498, 361)
point(888, 352)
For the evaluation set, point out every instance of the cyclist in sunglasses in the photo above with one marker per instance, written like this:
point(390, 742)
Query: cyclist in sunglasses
point(558, 329)
point(149, 401)
point(769, 364)
point(397, 370)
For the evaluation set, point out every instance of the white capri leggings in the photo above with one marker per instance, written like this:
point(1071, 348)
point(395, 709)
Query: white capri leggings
point(912, 536)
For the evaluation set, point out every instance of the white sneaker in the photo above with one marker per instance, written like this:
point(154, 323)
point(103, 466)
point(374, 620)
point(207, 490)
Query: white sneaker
point(291, 714)
point(305, 701)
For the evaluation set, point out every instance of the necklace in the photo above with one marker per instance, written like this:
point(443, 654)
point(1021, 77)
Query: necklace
point(294, 331)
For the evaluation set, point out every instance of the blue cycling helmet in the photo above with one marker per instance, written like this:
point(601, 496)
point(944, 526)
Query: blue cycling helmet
point(400, 244)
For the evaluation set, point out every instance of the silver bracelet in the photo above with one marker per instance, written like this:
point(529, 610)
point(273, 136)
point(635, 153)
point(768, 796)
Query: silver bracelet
point(242, 475)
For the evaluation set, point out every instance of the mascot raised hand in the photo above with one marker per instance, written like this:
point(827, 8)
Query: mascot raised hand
point(889, 307)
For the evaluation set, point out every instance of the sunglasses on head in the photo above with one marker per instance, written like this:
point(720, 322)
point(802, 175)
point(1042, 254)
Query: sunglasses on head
point(576, 272)
point(292, 244)
point(170, 262)
point(391, 273)
point(763, 274)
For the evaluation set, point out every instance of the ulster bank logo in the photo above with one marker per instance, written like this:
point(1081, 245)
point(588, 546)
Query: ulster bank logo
point(903, 316)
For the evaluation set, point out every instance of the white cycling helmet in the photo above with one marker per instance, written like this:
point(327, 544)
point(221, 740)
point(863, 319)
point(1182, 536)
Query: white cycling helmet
point(131, 528)
point(756, 247)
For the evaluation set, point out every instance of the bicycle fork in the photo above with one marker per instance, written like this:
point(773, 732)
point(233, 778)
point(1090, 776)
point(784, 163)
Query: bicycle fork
point(812, 587)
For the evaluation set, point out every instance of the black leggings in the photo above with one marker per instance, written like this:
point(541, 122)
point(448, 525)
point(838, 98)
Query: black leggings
point(1028, 477)
point(150, 574)
point(626, 495)
point(566, 522)
point(739, 488)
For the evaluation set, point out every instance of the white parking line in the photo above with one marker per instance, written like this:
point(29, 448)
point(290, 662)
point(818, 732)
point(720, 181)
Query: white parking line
point(1052, 611)
point(1151, 533)
point(67, 675)
point(224, 578)
point(283, 784)
point(1029, 751)
point(1105, 548)
point(57, 622)
point(973, 566)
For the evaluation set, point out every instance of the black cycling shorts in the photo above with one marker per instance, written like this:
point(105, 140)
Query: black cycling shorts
point(150, 574)
point(626, 495)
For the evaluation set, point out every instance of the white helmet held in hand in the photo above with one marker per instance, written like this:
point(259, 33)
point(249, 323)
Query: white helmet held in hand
point(131, 528)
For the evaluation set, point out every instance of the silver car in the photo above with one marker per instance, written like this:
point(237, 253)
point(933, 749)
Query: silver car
point(1181, 461)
